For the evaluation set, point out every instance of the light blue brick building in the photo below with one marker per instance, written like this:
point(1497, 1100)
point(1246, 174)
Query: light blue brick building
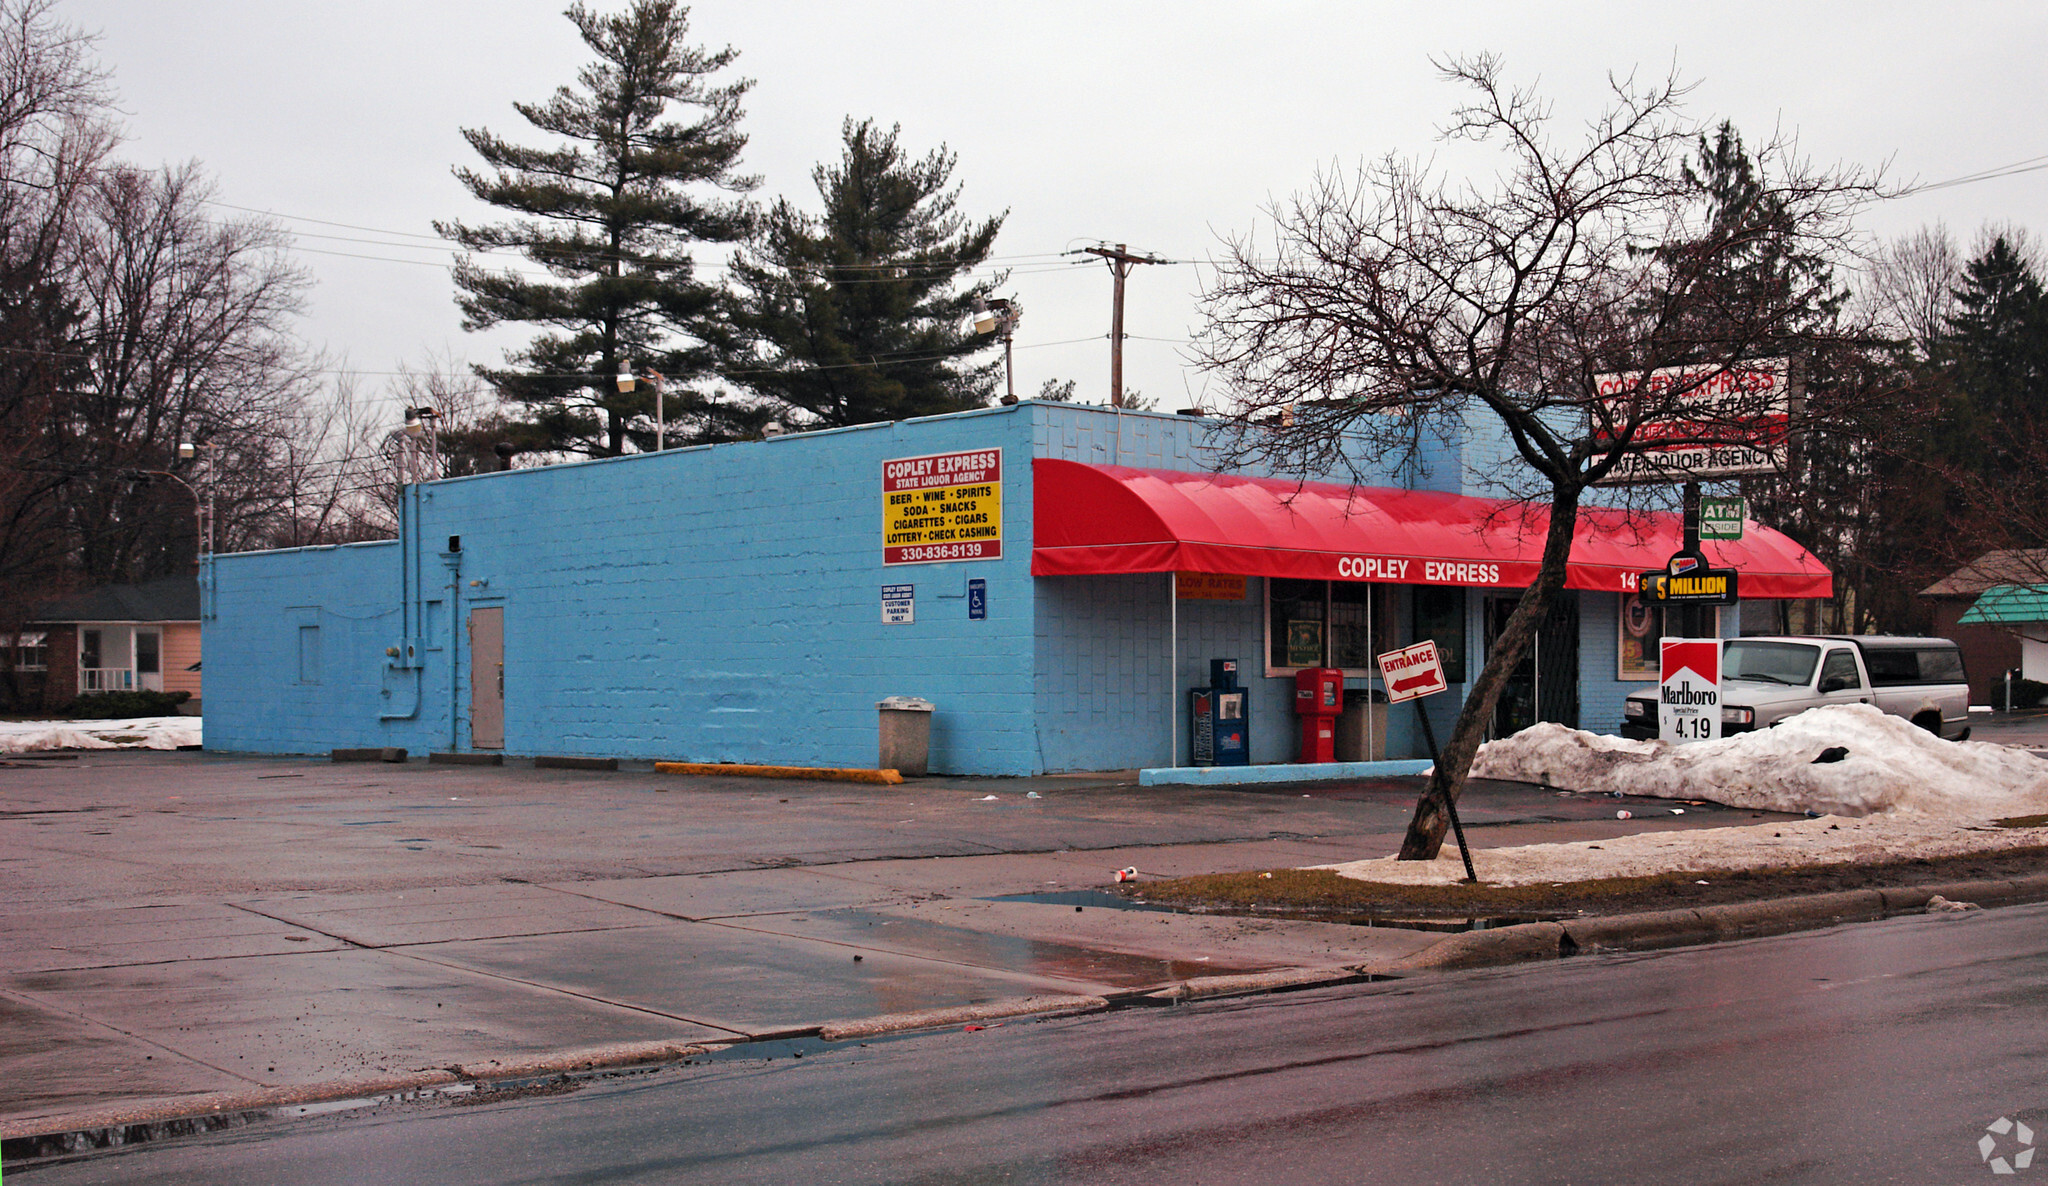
point(725, 604)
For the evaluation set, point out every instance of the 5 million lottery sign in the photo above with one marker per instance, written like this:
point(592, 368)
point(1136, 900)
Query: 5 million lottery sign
point(946, 506)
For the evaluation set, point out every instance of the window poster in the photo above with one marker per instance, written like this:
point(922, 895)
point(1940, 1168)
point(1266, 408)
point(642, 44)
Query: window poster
point(1641, 625)
point(1304, 644)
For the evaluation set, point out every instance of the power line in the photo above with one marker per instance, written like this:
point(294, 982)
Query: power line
point(2017, 167)
point(438, 241)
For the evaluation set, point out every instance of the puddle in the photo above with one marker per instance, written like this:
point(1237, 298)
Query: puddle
point(1110, 900)
point(1102, 899)
point(934, 938)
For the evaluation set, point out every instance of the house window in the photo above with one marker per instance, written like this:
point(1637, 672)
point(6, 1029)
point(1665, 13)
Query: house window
point(89, 649)
point(1343, 624)
point(31, 652)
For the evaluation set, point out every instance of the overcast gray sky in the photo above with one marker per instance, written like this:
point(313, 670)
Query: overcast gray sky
point(1163, 126)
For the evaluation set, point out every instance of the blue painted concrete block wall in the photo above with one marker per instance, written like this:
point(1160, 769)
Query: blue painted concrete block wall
point(295, 654)
point(722, 604)
point(717, 604)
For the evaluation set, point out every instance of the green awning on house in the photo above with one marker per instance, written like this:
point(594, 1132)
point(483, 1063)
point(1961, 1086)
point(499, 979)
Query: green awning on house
point(2009, 604)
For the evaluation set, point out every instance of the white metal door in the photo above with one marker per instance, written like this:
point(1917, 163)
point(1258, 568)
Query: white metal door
point(487, 678)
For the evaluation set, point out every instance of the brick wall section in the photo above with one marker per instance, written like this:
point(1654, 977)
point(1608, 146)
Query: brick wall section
point(61, 688)
point(1988, 651)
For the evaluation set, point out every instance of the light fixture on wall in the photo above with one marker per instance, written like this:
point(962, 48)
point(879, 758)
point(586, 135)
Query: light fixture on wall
point(629, 382)
point(998, 315)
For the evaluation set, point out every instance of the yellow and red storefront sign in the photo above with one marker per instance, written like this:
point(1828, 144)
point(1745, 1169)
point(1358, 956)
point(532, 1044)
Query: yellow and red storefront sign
point(943, 506)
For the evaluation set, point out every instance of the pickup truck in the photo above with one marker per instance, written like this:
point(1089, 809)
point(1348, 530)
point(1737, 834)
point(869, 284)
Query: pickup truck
point(1765, 680)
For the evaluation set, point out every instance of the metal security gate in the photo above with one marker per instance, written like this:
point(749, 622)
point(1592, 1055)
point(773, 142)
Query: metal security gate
point(1544, 685)
point(487, 678)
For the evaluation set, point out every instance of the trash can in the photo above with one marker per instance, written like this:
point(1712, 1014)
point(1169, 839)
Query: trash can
point(1354, 742)
point(906, 734)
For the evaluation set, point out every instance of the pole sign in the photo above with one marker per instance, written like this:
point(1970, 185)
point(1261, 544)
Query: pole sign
point(1413, 672)
point(944, 506)
point(1689, 693)
point(1710, 420)
point(1687, 580)
point(1721, 518)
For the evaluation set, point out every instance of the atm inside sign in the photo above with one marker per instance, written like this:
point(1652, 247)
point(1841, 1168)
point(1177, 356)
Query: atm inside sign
point(1721, 518)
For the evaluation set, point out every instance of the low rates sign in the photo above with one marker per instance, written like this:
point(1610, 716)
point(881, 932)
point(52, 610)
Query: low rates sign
point(945, 506)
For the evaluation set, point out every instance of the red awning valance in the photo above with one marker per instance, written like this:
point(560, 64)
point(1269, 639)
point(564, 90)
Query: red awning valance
point(1108, 518)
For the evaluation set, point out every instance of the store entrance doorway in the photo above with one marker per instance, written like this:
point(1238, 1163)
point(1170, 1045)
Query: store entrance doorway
point(1544, 685)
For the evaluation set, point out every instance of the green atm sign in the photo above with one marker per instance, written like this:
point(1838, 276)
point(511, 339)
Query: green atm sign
point(1721, 518)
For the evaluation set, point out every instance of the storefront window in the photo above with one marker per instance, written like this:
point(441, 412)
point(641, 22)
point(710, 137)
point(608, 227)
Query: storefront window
point(1350, 645)
point(1296, 611)
point(1642, 624)
point(1440, 616)
point(1344, 624)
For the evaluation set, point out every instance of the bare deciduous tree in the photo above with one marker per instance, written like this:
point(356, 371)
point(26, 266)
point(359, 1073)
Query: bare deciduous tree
point(1392, 300)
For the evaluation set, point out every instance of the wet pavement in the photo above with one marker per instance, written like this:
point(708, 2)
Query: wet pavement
point(1886, 1052)
point(177, 924)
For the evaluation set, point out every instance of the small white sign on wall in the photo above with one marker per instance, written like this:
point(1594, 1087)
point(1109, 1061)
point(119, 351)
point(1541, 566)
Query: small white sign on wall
point(899, 604)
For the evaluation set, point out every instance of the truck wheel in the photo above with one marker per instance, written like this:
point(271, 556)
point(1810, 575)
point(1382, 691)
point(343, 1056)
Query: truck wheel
point(1930, 721)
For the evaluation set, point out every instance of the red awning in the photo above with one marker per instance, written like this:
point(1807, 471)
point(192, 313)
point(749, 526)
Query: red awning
point(1109, 518)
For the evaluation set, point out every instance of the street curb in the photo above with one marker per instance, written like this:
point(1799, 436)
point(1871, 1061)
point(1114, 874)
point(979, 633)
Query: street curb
point(588, 1058)
point(924, 1019)
point(823, 773)
point(150, 1120)
point(101, 1128)
point(1661, 929)
point(1246, 984)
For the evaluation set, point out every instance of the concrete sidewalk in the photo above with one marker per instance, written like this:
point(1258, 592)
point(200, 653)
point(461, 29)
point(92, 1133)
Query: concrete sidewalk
point(182, 928)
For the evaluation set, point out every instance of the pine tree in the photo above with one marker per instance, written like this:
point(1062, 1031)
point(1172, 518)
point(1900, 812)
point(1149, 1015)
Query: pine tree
point(611, 213)
point(858, 315)
point(1995, 354)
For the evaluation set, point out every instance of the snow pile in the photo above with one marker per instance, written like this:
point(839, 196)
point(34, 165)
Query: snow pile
point(1893, 766)
point(136, 733)
point(1793, 843)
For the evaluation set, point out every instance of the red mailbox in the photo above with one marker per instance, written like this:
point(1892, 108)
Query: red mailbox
point(1318, 701)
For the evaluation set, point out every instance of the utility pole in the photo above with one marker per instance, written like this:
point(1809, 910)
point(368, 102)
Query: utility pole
point(1120, 262)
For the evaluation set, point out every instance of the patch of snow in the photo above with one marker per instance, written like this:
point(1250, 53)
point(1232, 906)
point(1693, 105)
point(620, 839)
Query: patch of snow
point(1792, 843)
point(134, 733)
point(1893, 767)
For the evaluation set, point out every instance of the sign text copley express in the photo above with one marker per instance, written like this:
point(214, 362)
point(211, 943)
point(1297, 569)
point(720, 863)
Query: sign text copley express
point(1452, 572)
point(1379, 568)
point(947, 506)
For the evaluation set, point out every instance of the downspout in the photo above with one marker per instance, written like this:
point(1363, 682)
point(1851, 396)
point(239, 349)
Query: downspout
point(454, 562)
point(405, 658)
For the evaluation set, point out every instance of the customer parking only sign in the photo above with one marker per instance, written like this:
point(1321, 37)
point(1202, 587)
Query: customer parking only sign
point(1689, 700)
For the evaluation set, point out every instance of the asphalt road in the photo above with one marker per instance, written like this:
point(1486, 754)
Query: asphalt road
point(1871, 1053)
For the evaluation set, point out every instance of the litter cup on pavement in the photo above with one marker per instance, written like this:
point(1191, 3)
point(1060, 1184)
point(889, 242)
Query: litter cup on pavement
point(906, 734)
